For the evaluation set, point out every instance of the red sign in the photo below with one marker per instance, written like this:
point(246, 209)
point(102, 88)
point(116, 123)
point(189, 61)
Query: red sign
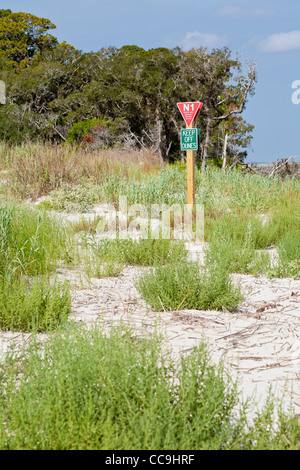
point(189, 111)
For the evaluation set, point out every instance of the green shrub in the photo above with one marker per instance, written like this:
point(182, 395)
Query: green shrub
point(289, 247)
point(107, 257)
point(237, 255)
point(31, 242)
point(33, 305)
point(99, 267)
point(149, 252)
point(289, 254)
point(81, 129)
point(86, 390)
point(187, 286)
point(244, 229)
point(74, 198)
point(283, 222)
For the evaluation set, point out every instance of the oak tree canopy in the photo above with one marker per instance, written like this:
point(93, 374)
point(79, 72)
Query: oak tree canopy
point(119, 96)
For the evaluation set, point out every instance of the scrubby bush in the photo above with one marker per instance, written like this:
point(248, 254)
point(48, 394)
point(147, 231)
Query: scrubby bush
point(87, 390)
point(36, 305)
point(150, 252)
point(289, 254)
point(31, 245)
point(187, 286)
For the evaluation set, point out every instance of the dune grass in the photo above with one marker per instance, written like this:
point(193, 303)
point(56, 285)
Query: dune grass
point(86, 390)
point(187, 285)
point(31, 245)
point(35, 169)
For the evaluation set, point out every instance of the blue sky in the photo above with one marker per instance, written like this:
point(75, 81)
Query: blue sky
point(265, 31)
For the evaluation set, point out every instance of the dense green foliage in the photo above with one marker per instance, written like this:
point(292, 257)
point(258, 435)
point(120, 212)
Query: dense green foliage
point(31, 244)
point(33, 305)
point(185, 285)
point(23, 36)
point(132, 91)
point(88, 390)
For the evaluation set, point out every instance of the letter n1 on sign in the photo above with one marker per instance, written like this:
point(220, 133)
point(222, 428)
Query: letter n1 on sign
point(189, 111)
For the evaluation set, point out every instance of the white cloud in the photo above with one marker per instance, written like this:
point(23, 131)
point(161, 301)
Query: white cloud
point(281, 42)
point(197, 39)
point(242, 12)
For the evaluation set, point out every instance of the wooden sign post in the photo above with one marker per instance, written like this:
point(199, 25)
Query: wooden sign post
point(190, 143)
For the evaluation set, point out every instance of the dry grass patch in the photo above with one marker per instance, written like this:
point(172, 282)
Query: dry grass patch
point(36, 169)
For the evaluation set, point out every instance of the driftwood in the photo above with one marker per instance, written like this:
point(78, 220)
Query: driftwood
point(247, 167)
point(284, 167)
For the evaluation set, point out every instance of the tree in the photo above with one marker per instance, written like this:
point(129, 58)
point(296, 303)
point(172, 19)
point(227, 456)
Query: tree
point(219, 81)
point(23, 36)
point(135, 87)
point(134, 91)
point(239, 137)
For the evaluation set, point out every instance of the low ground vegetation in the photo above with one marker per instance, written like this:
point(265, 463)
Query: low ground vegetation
point(92, 391)
point(31, 244)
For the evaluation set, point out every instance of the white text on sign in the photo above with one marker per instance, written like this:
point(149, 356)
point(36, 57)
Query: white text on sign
point(189, 135)
point(189, 139)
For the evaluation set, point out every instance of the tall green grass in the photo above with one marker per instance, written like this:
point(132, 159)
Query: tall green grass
point(289, 254)
point(217, 190)
point(86, 390)
point(35, 169)
point(242, 192)
point(107, 257)
point(31, 242)
point(31, 245)
point(34, 305)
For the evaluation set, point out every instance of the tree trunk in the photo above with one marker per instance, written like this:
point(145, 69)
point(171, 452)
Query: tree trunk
point(168, 151)
point(178, 129)
point(206, 144)
point(159, 136)
point(224, 153)
point(2, 93)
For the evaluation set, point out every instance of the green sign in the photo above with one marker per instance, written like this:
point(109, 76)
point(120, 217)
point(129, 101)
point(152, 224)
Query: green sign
point(190, 139)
